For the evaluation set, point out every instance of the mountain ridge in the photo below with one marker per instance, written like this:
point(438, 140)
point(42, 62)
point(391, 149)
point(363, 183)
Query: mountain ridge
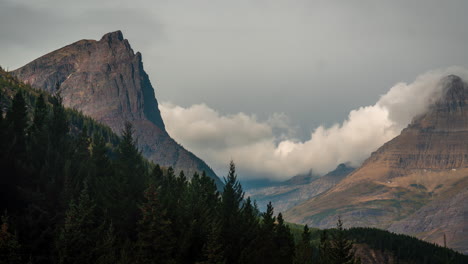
point(298, 189)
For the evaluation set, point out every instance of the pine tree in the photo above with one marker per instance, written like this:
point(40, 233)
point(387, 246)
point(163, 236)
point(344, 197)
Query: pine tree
point(128, 151)
point(325, 250)
point(284, 242)
point(250, 215)
point(155, 241)
point(266, 244)
point(268, 219)
point(129, 183)
point(2, 135)
point(102, 179)
point(2, 131)
point(9, 246)
point(17, 116)
point(40, 114)
point(182, 180)
point(170, 196)
point(233, 194)
point(14, 153)
point(76, 243)
point(16, 119)
point(57, 156)
point(341, 248)
point(106, 247)
point(79, 162)
point(127, 255)
point(249, 227)
point(6, 181)
point(39, 134)
point(82, 144)
point(304, 249)
point(59, 125)
point(230, 215)
point(199, 213)
point(157, 176)
point(130, 161)
point(182, 218)
point(100, 158)
point(209, 192)
point(212, 250)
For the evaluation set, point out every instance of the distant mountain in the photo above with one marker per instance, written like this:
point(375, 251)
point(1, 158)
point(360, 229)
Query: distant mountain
point(300, 188)
point(105, 79)
point(415, 184)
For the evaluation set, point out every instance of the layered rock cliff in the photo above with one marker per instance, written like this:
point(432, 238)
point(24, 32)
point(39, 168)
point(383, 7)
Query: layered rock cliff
point(105, 79)
point(413, 183)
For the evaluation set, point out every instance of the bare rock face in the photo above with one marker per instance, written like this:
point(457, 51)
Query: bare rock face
point(417, 183)
point(105, 79)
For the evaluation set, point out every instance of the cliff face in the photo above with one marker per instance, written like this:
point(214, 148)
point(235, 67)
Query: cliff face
point(412, 182)
point(105, 79)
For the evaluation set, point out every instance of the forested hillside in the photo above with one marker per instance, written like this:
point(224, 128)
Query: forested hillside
point(71, 191)
point(374, 245)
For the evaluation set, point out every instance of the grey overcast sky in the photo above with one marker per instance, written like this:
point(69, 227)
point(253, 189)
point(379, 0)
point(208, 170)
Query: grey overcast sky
point(310, 61)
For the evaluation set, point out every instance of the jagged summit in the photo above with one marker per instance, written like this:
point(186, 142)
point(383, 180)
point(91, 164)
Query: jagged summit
point(449, 112)
point(106, 80)
point(113, 36)
point(454, 93)
point(452, 83)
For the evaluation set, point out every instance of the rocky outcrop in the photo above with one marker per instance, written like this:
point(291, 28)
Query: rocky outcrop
point(413, 184)
point(105, 79)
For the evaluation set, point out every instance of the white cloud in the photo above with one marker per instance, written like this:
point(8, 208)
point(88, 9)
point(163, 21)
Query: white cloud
point(268, 148)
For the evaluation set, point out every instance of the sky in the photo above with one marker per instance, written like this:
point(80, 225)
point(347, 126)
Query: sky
point(280, 86)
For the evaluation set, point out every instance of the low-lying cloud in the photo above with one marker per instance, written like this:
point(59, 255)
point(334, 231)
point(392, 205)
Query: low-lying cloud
point(269, 149)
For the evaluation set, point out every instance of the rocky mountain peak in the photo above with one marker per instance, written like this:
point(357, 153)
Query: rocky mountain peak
point(449, 113)
point(113, 36)
point(454, 92)
point(106, 80)
point(119, 46)
point(341, 169)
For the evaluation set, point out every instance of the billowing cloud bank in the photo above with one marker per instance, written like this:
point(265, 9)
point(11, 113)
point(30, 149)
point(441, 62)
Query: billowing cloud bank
point(266, 148)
